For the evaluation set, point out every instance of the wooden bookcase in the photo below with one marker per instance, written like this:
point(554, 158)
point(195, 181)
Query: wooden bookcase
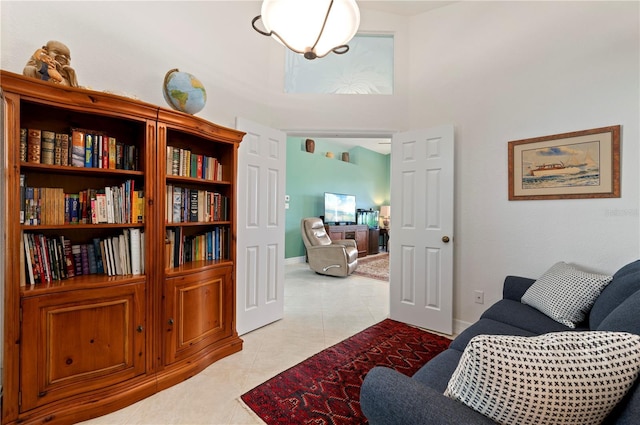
point(82, 346)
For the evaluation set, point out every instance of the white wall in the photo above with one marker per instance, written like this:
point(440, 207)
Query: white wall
point(502, 71)
point(498, 71)
point(129, 46)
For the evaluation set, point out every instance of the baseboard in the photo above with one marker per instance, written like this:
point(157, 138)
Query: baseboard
point(460, 326)
point(295, 260)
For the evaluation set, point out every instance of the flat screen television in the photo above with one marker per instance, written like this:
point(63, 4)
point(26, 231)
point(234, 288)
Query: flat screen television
point(339, 208)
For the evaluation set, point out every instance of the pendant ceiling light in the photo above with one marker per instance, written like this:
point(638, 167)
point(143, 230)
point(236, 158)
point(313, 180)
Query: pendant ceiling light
point(313, 28)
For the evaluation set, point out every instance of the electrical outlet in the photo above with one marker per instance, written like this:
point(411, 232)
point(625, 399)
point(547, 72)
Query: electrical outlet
point(478, 296)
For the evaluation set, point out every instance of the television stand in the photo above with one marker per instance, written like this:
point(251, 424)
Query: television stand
point(358, 232)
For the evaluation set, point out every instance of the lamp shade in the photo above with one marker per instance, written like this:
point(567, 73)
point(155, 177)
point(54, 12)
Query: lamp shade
point(385, 211)
point(298, 24)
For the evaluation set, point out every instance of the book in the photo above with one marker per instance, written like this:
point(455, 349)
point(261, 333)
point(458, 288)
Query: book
point(57, 149)
point(47, 146)
point(177, 205)
point(76, 251)
point(136, 254)
point(88, 149)
point(64, 148)
point(193, 205)
point(97, 151)
point(98, 256)
point(23, 190)
point(142, 253)
point(105, 151)
point(62, 264)
point(35, 259)
point(77, 148)
point(28, 259)
point(117, 259)
point(107, 256)
point(33, 145)
point(169, 160)
point(56, 273)
point(125, 251)
point(91, 256)
point(112, 152)
point(68, 257)
point(119, 156)
point(23, 144)
point(40, 241)
point(84, 256)
point(109, 202)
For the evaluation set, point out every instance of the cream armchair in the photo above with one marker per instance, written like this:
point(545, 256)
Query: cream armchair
point(333, 258)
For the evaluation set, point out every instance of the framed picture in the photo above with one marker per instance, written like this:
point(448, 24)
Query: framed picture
point(582, 164)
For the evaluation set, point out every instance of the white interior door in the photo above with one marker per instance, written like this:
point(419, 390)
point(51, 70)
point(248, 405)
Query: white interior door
point(421, 234)
point(261, 226)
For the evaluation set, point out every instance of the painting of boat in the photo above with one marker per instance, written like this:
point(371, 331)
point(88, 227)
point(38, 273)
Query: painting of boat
point(580, 164)
point(556, 169)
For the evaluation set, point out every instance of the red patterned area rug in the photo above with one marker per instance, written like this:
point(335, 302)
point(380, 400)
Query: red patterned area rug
point(374, 266)
point(325, 388)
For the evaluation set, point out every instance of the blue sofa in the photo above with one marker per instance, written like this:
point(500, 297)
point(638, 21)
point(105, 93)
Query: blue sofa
point(390, 398)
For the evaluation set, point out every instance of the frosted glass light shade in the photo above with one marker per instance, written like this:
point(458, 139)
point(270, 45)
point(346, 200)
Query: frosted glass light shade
point(385, 211)
point(298, 24)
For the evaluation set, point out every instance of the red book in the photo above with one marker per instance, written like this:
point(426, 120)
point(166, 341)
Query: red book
point(199, 169)
point(105, 151)
point(68, 257)
point(37, 265)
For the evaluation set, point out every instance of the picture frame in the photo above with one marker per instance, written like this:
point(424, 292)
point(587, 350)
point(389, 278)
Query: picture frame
point(575, 165)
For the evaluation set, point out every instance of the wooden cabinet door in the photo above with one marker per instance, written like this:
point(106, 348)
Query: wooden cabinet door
point(334, 234)
point(362, 240)
point(199, 311)
point(374, 240)
point(78, 341)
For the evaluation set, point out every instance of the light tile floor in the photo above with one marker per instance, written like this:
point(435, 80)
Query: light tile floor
point(320, 311)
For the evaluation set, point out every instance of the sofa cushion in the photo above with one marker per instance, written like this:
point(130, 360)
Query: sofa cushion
point(491, 327)
point(565, 293)
point(625, 317)
point(560, 377)
point(625, 282)
point(437, 372)
point(523, 316)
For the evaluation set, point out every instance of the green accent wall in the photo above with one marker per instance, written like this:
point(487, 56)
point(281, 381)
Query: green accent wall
point(309, 175)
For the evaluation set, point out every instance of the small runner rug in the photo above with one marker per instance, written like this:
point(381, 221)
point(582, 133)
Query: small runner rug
point(374, 266)
point(325, 388)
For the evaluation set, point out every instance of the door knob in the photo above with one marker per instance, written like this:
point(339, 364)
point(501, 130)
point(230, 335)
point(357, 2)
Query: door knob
point(445, 239)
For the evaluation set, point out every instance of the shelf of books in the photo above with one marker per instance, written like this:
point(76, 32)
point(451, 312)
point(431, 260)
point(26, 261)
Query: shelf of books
point(197, 200)
point(82, 197)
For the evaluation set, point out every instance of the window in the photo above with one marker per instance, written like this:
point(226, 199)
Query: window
point(367, 68)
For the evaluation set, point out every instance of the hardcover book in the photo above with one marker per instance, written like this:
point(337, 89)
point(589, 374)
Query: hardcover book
point(89, 140)
point(112, 152)
point(23, 144)
point(48, 140)
point(57, 150)
point(77, 148)
point(33, 145)
point(64, 148)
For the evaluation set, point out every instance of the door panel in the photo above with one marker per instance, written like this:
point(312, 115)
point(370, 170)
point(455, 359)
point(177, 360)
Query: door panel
point(75, 342)
point(421, 235)
point(201, 313)
point(261, 226)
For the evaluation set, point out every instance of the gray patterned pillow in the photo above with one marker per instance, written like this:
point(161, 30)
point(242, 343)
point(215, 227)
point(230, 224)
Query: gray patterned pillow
point(565, 293)
point(556, 378)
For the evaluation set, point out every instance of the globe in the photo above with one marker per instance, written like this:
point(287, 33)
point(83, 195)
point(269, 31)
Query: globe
point(184, 92)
